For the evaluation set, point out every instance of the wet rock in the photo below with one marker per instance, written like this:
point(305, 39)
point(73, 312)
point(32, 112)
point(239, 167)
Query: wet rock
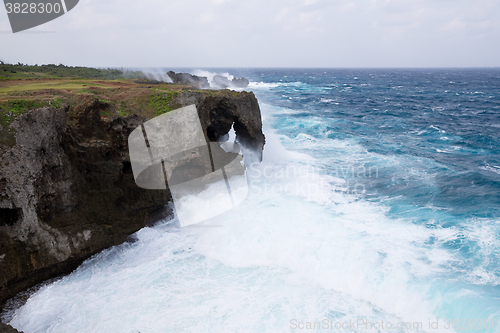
point(199, 82)
point(220, 112)
point(4, 328)
point(240, 83)
point(223, 82)
point(67, 193)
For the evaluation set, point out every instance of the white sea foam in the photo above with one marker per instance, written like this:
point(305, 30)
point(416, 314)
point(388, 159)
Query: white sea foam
point(263, 85)
point(296, 249)
point(210, 75)
point(437, 129)
point(494, 169)
point(485, 233)
point(328, 100)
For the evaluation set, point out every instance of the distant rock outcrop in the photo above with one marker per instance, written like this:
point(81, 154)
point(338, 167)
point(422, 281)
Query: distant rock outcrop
point(223, 82)
point(199, 82)
point(240, 83)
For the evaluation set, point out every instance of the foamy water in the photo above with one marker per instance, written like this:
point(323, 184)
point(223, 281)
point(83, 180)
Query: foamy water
point(295, 249)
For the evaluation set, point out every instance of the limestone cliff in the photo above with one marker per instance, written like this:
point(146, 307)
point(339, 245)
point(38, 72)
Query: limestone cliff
point(199, 82)
point(66, 184)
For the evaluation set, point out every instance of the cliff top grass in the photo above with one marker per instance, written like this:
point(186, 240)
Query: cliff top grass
point(23, 88)
point(22, 85)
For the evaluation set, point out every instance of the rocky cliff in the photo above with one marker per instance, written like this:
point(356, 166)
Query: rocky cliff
point(201, 82)
point(66, 184)
point(223, 82)
point(227, 108)
point(7, 328)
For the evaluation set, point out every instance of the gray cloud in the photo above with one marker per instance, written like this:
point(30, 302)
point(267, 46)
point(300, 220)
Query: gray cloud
point(295, 33)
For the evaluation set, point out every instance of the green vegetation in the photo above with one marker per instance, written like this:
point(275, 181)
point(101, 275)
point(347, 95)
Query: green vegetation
point(10, 109)
point(20, 106)
point(224, 92)
point(24, 88)
point(161, 102)
point(51, 84)
point(23, 71)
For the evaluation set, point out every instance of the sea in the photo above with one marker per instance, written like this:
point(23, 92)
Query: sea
point(376, 208)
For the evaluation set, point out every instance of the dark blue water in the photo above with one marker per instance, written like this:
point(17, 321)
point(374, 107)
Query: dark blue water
point(434, 137)
point(447, 119)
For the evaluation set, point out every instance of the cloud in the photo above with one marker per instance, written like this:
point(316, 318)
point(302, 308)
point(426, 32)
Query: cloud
point(225, 33)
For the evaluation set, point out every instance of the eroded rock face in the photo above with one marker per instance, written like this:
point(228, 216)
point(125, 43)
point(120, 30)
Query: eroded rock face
point(67, 190)
point(218, 113)
point(7, 328)
point(241, 82)
point(223, 82)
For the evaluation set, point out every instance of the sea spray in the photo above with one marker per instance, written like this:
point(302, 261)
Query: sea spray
point(416, 248)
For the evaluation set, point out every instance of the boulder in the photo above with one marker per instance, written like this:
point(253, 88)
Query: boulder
point(223, 82)
point(240, 83)
point(4, 328)
point(199, 82)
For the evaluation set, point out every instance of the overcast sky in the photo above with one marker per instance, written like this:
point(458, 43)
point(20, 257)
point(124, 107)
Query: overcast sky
point(263, 33)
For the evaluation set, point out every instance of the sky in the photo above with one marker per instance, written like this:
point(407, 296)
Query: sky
point(263, 33)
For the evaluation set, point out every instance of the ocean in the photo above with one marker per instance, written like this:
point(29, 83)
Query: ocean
point(376, 209)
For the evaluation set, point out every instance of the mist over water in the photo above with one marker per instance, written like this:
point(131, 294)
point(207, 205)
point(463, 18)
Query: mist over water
point(377, 201)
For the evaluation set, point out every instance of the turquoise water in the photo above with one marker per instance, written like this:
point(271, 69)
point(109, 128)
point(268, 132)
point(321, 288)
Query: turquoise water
point(377, 201)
